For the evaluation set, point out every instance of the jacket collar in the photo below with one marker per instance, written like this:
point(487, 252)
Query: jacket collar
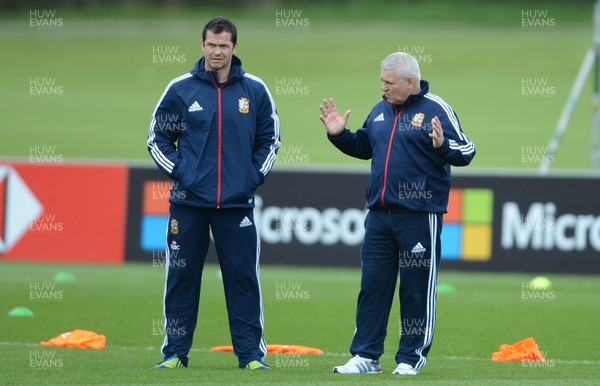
point(236, 70)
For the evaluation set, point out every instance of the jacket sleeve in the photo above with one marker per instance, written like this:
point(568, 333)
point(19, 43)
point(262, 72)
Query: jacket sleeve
point(355, 144)
point(457, 148)
point(165, 127)
point(267, 140)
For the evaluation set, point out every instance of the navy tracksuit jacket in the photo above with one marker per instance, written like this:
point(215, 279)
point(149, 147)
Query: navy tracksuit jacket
point(407, 193)
point(218, 143)
point(407, 172)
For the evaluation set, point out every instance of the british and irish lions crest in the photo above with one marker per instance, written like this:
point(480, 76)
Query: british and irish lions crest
point(418, 119)
point(174, 225)
point(244, 105)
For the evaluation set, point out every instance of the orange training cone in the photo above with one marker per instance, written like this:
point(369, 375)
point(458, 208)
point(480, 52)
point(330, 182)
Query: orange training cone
point(525, 350)
point(278, 349)
point(78, 339)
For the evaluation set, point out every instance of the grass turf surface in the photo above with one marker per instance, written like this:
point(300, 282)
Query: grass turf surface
point(124, 303)
point(111, 81)
point(111, 85)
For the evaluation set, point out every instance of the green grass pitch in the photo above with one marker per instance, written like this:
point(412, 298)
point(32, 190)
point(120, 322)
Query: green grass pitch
point(124, 303)
point(111, 81)
point(111, 84)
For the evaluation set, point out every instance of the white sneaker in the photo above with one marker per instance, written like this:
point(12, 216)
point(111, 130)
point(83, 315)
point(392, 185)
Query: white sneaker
point(405, 369)
point(359, 365)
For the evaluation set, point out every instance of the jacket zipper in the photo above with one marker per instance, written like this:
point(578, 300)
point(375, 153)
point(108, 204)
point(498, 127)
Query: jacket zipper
point(219, 145)
point(389, 151)
point(219, 134)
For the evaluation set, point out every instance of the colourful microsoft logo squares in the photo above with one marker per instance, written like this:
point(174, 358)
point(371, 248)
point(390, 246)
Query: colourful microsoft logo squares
point(467, 230)
point(477, 206)
point(155, 215)
point(153, 233)
point(451, 241)
point(477, 241)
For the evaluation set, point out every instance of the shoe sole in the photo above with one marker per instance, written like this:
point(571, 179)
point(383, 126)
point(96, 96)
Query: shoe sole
point(404, 373)
point(166, 367)
point(335, 371)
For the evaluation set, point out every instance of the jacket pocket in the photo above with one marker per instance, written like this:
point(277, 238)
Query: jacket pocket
point(181, 172)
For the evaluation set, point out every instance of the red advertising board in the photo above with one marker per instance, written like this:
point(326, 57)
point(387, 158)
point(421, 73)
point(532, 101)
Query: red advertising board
point(63, 212)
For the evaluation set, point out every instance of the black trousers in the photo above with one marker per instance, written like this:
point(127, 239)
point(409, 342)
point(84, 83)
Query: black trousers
point(238, 248)
point(405, 245)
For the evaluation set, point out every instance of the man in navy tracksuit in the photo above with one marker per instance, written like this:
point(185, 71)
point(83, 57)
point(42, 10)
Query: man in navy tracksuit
point(215, 132)
point(412, 137)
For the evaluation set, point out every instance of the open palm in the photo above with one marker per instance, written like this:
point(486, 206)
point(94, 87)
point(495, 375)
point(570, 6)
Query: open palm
point(334, 123)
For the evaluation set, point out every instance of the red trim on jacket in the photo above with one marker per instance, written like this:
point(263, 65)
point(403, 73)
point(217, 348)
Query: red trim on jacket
point(387, 157)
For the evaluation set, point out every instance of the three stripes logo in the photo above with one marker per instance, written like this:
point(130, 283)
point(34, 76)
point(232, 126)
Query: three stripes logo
point(379, 118)
point(245, 222)
point(195, 107)
point(419, 248)
point(367, 367)
point(415, 258)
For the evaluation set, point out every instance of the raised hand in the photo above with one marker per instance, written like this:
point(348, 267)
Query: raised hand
point(334, 123)
point(437, 134)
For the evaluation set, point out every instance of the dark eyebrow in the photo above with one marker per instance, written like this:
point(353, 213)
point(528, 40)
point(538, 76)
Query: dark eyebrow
point(218, 44)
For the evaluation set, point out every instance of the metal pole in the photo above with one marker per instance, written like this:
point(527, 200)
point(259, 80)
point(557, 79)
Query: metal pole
point(561, 126)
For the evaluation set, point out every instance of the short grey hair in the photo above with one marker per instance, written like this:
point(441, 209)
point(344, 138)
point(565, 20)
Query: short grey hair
point(404, 64)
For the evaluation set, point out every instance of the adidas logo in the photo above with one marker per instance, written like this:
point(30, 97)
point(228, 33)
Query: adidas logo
point(195, 107)
point(419, 248)
point(379, 118)
point(245, 222)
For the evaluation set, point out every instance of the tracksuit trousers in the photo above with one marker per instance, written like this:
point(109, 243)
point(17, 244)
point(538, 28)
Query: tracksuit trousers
point(238, 247)
point(404, 245)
